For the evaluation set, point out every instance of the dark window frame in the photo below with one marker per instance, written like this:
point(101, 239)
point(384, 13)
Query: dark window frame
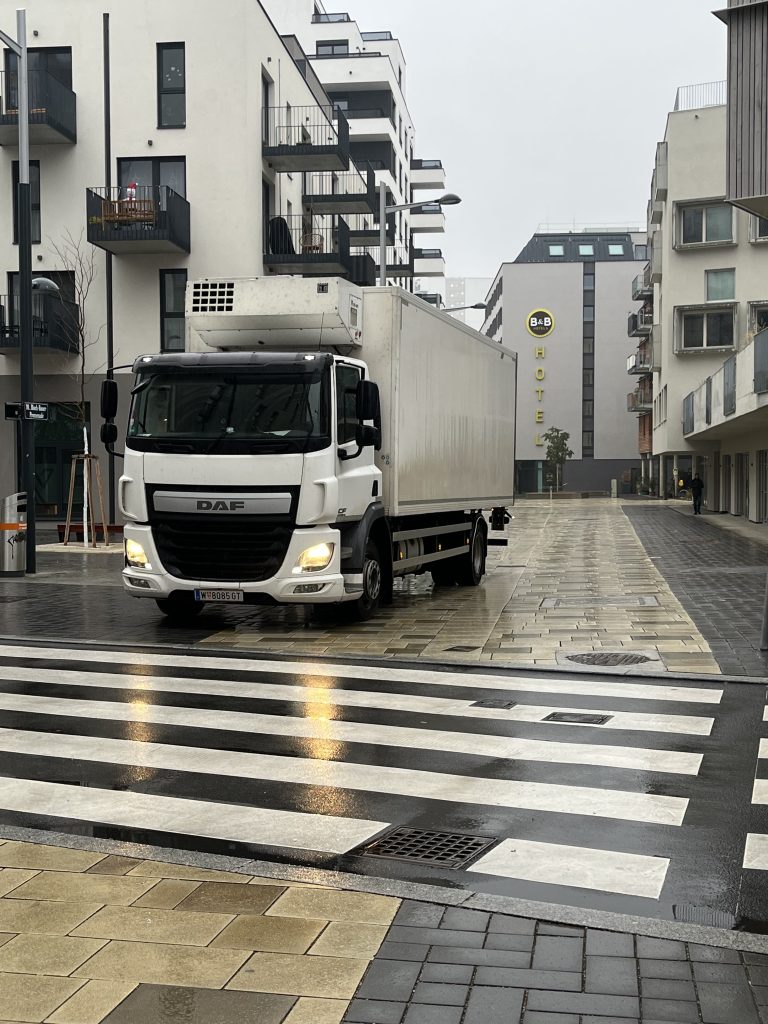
point(343, 419)
point(165, 314)
point(34, 202)
point(170, 91)
point(155, 161)
point(332, 48)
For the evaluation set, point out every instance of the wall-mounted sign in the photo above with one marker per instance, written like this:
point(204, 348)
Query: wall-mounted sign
point(540, 323)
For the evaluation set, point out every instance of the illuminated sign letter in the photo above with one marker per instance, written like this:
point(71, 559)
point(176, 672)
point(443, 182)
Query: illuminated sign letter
point(540, 374)
point(541, 352)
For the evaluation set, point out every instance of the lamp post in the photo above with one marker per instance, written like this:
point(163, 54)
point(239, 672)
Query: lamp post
point(449, 199)
point(24, 229)
point(458, 309)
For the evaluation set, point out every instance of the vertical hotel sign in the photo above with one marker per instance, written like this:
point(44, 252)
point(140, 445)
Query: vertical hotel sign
point(540, 323)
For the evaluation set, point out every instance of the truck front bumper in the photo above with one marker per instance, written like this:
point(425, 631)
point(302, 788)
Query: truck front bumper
point(285, 587)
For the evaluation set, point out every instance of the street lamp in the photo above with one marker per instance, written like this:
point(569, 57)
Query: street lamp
point(449, 199)
point(458, 309)
point(24, 223)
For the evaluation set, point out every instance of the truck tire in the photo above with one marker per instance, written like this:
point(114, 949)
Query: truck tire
point(366, 606)
point(471, 567)
point(179, 610)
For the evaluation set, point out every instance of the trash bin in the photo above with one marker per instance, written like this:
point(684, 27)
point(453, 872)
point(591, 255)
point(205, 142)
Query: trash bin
point(13, 535)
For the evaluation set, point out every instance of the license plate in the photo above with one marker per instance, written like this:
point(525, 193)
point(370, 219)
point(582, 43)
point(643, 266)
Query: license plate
point(225, 596)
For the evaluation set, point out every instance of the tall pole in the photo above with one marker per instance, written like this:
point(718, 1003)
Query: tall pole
point(24, 215)
point(382, 234)
point(108, 276)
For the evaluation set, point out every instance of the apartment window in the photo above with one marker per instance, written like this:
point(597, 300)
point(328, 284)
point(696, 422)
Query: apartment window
point(160, 172)
point(701, 224)
point(586, 250)
point(266, 97)
point(55, 61)
point(587, 439)
point(333, 48)
point(589, 314)
point(707, 330)
point(589, 378)
point(557, 250)
point(641, 252)
point(588, 408)
point(758, 316)
point(171, 86)
point(589, 282)
point(616, 250)
point(347, 379)
point(721, 285)
point(340, 105)
point(589, 346)
point(173, 284)
point(34, 195)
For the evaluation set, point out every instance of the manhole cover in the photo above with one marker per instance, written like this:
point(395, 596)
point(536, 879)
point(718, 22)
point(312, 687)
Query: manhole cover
point(609, 659)
point(443, 849)
point(703, 915)
point(577, 718)
point(461, 647)
point(503, 705)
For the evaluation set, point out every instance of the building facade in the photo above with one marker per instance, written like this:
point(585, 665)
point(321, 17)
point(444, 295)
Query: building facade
point(467, 291)
point(167, 144)
point(563, 306)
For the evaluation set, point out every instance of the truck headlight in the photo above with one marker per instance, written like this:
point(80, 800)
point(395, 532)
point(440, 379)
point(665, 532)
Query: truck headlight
point(314, 559)
point(136, 556)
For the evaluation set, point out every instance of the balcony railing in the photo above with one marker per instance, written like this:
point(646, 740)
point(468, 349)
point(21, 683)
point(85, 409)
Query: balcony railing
point(641, 286)
point(688, 407)
point(729, 386)
point(54, 323)
point(639, 400)
point(350, 191)
point(427, 254)
point(329, 19)
point(304, 245)
point(52, 109)
point(138, 219)
point(426, 165)
point(640, 361)
point(372, 37)
point(306, 138)
point(640, 323)
point(761, 362)
point(399, 261)
point(707, 94)
point(367, 112)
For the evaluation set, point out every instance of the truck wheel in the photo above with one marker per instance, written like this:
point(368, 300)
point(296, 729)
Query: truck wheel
point(179, 609)
point(365, 607)
point(471, 568)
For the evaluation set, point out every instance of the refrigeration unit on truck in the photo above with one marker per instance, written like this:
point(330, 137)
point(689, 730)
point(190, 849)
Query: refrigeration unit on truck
point(317, 441)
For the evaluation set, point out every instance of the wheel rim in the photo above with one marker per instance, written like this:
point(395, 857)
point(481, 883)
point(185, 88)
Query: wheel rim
point(477, 554)
point(372, 581)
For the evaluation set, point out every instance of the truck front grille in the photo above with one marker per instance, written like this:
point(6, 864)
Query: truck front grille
point(223, 549)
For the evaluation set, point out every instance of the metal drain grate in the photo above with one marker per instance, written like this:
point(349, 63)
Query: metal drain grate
point(609, 659)
point(462, 647)
point(577, 718)
point(443, 849)
point(503, 705)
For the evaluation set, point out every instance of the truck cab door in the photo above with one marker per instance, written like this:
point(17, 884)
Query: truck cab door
point(359, 478)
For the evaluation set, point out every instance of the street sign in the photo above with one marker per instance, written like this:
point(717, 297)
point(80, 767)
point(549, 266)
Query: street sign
point(13, 410)
point(35, 410)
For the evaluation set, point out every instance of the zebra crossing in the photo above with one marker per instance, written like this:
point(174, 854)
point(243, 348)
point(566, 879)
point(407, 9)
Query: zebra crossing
point(309, 762)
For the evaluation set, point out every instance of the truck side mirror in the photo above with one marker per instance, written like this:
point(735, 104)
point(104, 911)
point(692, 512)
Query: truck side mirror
point(367, 437)
point(108, 433)
point(367, 401)
point(108, 399)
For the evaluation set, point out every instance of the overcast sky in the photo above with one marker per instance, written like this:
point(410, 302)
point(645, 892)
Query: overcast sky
point(546, 111)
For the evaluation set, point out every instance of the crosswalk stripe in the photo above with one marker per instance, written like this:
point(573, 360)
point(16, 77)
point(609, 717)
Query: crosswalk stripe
point(760, 792)
point(688, 724)
point(582, 800)
point(628, 873)
point(253, 825)
point(544, 684)
point(763, 751)
point(756, 852)
point(483, 745)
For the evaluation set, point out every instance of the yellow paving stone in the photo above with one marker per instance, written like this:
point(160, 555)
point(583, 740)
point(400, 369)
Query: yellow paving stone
point(326, 977)
point(12, 878)
point(360, 941)
point(158, 869)
point(25, 999)
point(52, 858)
point(269, 934)
point(167, 894)
point(119, 890)
point(317, 1011)
point(114, 865)
point(223, 897)
point(92, 1003)
point(155, 964)
point(46, 954)
point(43, 916)
point(145, 924)
point(328, 905)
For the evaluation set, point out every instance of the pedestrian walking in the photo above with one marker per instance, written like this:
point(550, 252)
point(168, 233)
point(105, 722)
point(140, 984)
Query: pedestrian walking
point(697, 490)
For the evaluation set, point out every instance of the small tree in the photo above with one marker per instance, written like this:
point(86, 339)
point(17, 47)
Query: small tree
point(558, 451)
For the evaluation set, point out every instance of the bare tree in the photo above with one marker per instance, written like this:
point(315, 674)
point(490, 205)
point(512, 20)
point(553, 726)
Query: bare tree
point(78, 259)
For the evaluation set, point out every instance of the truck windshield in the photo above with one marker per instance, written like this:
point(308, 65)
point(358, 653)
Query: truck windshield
point(272, 409)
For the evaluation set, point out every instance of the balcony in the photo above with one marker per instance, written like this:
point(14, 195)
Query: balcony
point(427, 174)
point(364, 230)
point(306, 139)
point(660, 183)
point(370, 124)
point(641, 362)
point(307, 246)
point(142, 219)
point(645, 434)
point(428, 219)
point(399, 262)
point(330, 19)
point(657, 254)
point(640, 323)
point(343, 192)
point(54, 323)
point(52, 110)
point(642, 288)
point(688, 412)
point(428, 262)
point(640, 400)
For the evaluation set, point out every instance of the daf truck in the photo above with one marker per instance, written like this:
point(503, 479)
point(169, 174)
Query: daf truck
point(314, 442)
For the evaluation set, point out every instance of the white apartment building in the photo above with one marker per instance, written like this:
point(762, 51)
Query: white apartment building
point(171, 142)
point(709, 271)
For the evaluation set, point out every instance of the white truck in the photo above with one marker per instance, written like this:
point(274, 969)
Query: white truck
point(316, 441)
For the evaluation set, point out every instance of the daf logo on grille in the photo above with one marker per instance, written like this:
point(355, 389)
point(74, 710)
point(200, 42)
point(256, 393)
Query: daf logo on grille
point(209, 505)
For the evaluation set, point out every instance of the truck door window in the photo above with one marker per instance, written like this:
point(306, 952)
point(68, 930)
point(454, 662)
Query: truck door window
point(347, 378)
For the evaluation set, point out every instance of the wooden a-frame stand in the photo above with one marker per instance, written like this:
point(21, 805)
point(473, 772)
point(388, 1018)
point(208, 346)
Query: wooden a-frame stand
point(93, 470)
